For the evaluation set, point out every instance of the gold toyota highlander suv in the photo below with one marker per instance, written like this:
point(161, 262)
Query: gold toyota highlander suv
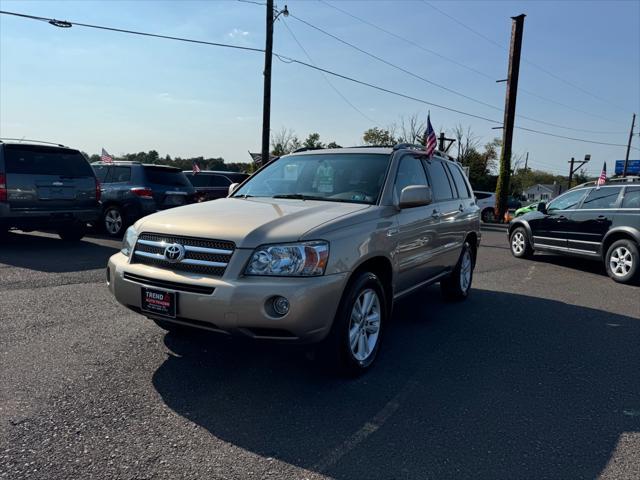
point(313, 248)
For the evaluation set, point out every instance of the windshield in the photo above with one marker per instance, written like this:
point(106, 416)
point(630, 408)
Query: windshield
point(352, 177)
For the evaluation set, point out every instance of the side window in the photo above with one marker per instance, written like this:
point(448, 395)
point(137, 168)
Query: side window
point(631, 198)
point(567, 201)
point(603, 198)
point(198, 180)
point(101, 172)
point(410, 172)
point(441, 187)
point(461, 184)
point(219, 181)
point(481, 196)
point(121, 174)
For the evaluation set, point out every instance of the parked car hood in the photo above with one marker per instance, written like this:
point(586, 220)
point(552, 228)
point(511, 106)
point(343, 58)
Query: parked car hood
point(248, 222)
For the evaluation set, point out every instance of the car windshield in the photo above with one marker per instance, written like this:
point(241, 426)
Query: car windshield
point(336, 177)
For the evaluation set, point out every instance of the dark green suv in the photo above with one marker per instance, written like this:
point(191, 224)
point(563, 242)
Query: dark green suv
point(46, 187)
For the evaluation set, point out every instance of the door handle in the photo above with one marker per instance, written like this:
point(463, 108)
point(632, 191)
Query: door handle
point(435, 214)
point(602, 217)
point(461, 208)
point(562, 218)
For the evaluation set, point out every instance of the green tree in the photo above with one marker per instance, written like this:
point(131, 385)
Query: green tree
point(333, 145)
point(313, 141)
point(378, 136)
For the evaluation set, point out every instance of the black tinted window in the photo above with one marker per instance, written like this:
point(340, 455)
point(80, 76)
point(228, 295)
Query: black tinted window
point(410, 172)
point(218, 181)
point(166, 176)
point(631, 198)
point(461, 184)
point(441, 186)
point(603, 198)
point(120, 174)
point(198, 180)
point(481, 196)
point(27, 159)
point(101, 172)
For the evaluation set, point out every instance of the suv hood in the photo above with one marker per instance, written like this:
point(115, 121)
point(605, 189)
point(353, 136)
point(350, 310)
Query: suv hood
point(248, 222)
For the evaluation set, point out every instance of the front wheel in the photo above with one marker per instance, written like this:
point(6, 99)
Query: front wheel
point(354, 340)
point(520, 244)
point(488, 215)
point(457, 285)
point(113, 221)
point(622, 261)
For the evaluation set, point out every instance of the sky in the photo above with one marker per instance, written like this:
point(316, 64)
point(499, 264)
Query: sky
point(91, 89)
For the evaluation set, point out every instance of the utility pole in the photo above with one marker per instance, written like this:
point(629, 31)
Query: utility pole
point(526, 162)
point(266, 99)
point(573, 169)
point(502, 189)
point(441, 144)
point(626, 158)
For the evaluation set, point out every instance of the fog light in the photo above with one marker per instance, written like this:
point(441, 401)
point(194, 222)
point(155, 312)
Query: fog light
point(280, 305)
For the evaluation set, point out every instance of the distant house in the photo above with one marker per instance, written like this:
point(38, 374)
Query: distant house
point(542, 193)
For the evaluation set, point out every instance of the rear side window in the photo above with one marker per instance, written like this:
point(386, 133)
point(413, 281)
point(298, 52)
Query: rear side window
point(441, 186)
point(165, 176)
point(481, 196)
point(101, 172)
point(631, 198)
point(461, 184)
point(219, 181)
point(36, 160)
point(603, 198)
point(198, 180)
point(120, 174)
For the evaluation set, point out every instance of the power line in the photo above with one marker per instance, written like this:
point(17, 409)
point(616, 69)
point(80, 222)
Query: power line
point(308, 65)
point(503, 47)
point(335, 89)
point(474, 70)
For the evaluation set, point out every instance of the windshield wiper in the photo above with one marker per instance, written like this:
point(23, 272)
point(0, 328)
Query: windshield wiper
point(244, 195)
point(300, 196)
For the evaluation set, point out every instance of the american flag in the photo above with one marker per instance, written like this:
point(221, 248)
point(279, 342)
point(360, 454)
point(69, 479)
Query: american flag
point(603, 176)
point(105, 157)
point(195, 167)
point(430, 139)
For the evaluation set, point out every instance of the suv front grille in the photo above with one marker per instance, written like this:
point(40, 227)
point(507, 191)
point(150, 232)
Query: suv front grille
point(201, 255)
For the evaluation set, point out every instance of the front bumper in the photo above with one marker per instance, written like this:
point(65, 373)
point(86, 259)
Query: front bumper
point(238, 303)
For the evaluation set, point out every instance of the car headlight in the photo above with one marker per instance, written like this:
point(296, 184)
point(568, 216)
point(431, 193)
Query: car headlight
point(129, 241)
point(304, 259)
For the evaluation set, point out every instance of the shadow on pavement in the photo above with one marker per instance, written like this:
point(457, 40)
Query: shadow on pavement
point(500, 386)
point(575, 263)
point(50, 254)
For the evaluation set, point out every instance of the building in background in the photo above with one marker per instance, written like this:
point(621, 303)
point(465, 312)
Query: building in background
point(542, 193)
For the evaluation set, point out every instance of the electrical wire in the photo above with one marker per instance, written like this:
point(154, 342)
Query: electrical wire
point(430, 82)
point(333, 87)
point(528, 62)
point(479, 72)
point(286, 59)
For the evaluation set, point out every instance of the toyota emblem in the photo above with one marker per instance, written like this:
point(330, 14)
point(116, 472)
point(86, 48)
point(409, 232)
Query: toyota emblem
point(174, 253)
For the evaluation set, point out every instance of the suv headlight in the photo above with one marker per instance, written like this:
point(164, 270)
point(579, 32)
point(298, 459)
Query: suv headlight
point(303, 259)
point(129, 241)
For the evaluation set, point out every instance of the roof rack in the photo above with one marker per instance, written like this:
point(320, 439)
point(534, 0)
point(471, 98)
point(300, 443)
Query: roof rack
point(32, 141)
point(126, 162)
point(306, 149)
point(609, 181)
point(415, 146)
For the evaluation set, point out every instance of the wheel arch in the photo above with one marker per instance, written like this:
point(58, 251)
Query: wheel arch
point(382, 267)
point(619, 233)
point(521, 223)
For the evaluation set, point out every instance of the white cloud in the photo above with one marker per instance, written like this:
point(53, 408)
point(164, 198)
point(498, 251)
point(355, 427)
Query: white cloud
point(237, 33)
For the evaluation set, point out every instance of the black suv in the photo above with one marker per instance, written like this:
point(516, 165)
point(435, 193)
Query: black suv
point(598, 223)
point(132, 190)
point(211, 184)
point(46, 187)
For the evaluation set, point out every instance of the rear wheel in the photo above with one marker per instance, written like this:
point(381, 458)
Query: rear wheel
point(72, 233)
point(488, 215)
point(113, 221)
point(354, 340)
point(520, 244)
point(457, 285)
point(622, 261)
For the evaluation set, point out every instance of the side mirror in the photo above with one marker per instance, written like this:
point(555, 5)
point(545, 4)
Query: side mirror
point(415, 196)
point(232, 187)
point(542, 207)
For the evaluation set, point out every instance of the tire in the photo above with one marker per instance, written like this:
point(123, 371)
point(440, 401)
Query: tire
point(519, 243)
point(73, 233)
point(457, 285)
point(113, 221)
point(488, 215)
point(353, 342)
point(622, 261)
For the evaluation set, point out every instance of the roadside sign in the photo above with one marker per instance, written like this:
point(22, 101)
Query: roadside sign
point(633, 168)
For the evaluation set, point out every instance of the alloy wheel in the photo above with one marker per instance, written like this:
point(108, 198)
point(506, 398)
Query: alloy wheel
point(621, 261)
point(465, 271)
point(364, 325)
point(113, 221)
point(518, 243)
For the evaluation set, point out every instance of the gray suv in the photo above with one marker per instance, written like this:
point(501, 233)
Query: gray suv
point(46, 187)
point(313, 248)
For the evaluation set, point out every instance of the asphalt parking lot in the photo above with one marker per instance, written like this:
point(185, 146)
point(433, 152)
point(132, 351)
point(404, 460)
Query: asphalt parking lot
point(536, 376)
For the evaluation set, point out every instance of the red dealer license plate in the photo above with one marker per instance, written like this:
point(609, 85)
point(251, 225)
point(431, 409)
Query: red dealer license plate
point(159, 302)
